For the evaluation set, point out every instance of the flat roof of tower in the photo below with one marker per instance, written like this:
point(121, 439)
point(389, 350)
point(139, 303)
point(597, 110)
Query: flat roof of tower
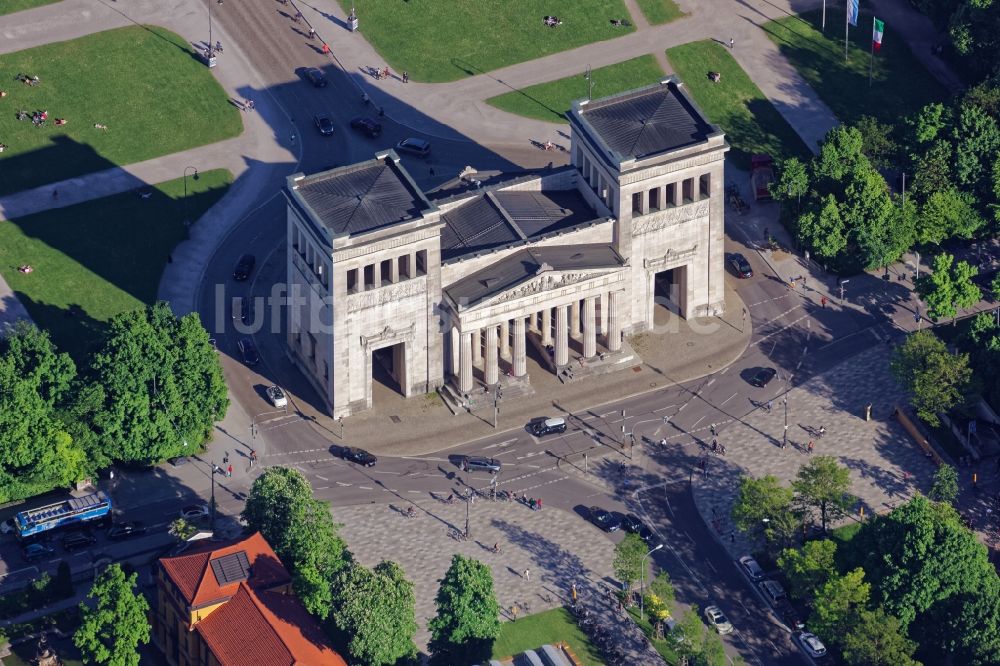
point(362, 197)
point(644, 122)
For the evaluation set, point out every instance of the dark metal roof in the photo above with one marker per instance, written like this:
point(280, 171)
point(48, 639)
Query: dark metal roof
point(498, 218)
point(647, 121)
point(528, 263)
point(361, 198)
point(231, 568)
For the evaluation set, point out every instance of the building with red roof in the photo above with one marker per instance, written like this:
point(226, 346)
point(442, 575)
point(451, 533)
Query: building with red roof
point(233, 605)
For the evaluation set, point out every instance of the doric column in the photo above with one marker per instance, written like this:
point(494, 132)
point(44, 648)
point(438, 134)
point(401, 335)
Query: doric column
point(562, 337)
point(603, 317)
point(547, 327)
point(520, 362)
point(533, 322)
point(477, 347)
point(589, 327)
point(465, 371)
point(505, 340)
point(614, 325)
point(456, 351)
point(492, 370)
point(574, 319)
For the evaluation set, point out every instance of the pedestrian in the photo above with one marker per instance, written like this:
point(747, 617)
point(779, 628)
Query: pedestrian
point(538, 504)
point(732, 43)
point(431, 170)
point(791, 284)
point(770, 406)
point(225, 458)
point(381, 111)
point(326, 49)
point(531, 503)
point(252, 104)
point(513, 612)
point(229, 471)
point(732, 537)
point(767, 236)
point(55, 194)
point(406, 76)
point(803, 281)
point(527, 574)
point(312, 33)
point(712, 429)
point(822, 301)
point(810, 447)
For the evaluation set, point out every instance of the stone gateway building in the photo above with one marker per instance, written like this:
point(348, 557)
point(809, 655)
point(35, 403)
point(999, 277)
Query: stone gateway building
point(456, 290)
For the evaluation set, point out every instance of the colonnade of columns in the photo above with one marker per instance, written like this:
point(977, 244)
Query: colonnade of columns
point(503, 341)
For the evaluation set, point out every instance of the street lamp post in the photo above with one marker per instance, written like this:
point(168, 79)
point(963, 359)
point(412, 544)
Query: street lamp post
point(187, 205)
point(497, 394)
point(468, 502)
point(215, 469)
point(642, 578)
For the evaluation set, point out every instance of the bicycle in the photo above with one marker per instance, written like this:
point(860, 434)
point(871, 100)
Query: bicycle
point(458, 535)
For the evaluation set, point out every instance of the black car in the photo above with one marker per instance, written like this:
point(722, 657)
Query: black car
point(741, 266)
point(36, 551)
point(249, 351)
point(366, 126)
point(763, 377)
point(246, 310)
point(78, 540)
point(244, 267)
point(417, 147)
point(480, 463)
point(323, 124)
point(123, 531)
point(316, 77)
point(603, 519)
point(632, 523)
point(359, 456)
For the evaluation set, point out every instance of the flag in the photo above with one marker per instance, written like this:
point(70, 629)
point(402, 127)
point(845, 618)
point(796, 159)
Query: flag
point(878, 27)
point(852, 12)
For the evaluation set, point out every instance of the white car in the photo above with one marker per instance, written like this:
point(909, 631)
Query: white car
point(277, 397)
point(811, 644)
point(195, 512)
point(717, 619)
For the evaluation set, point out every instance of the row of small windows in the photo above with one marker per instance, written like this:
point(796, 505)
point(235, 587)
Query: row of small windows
point(386, 272)
point(668, 196)
point(312, 257)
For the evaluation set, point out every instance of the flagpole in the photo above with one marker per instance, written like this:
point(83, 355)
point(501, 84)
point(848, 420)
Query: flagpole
point(847, 23)
point(824, 17)
point(871, 60)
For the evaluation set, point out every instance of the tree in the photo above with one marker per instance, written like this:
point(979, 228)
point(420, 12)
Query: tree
point(110, 632)
point(949, 287)
point(929, 122)
point(163, 385)
point(935, 379)
point(810, 568)
point(629, 554)
point(877, 639)
point(301, 531)
point(792, 182)
point(713, 651)
point(977, 139)
point(182, 529)
point(824, 485)
point(876, 137)
point(945, 486)
point(764, 506)
point(883, 229)
point(689, 634)
point(932, 169)
point(838, 602)
point(468, 615)
point(824, 230)
point(948, 213)
point(373, 610)
point(662, 587)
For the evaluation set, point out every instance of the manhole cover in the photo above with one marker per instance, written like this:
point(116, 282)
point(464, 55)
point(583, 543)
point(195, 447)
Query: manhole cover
point(395, 419)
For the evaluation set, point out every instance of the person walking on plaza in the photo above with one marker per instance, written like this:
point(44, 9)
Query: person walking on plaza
point(538, 504)
point(810, 447)
point(822, 301)
point(770, 406)
point(229, 471)
point(406, 76)
point(732, 43)
point(527, 574)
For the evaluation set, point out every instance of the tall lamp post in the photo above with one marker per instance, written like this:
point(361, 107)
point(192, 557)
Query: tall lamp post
point(497, 395)
point(187, 205)
point(468, 502)
point(642, 578)
point(215, 470)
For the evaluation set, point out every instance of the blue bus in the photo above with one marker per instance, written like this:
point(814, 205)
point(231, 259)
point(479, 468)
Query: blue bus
point(68, 513)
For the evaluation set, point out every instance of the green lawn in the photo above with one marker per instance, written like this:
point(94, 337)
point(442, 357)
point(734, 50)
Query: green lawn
point(900, 84)
point(550, 101)
point(11, 6)
point(736, 104)
point(443, 41)
point(536, 630)
point(99, 258)
point(143, 83)
point(660, 11)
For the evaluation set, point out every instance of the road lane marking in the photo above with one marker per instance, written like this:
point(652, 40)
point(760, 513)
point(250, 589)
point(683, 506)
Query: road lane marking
point(344, 485)
point(729, 398)
point(506, 442)
point(322, 477)
point(711, 566)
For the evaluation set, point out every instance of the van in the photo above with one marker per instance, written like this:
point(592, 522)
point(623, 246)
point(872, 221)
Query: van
point(547, 426)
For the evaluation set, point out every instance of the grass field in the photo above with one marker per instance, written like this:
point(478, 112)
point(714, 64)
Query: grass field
point(660, 11)
point(550, 101)
point(444, 41)
point(549, 627)
point(99, 258)
point(143, 83)
point(900, 84)
point(736, 104)
point(11, 6)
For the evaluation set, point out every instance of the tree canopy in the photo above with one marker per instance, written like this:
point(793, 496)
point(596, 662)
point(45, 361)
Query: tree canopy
point(935, 379)
point(809, 568)
point(629, 554)
point(111, 630)
point(764, 506)
point(468, 615)
point(945, 486)
point(824, 485)
point(949, 287)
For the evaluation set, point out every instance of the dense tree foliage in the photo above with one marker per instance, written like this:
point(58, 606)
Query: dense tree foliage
point(824, 485)
point(945, 486)
point(112, 627)
point(628, 562)
point(876, 638)
point(468, 615)
point(935, 379)
point(764, 507)
point(809, 568)
point(949, 287)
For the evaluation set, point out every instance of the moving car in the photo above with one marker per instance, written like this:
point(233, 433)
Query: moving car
point(123, 531)
point(359, 456)
point(35, 551)
point(366, 126)
point(195, 512)
point(546, 426)
point(633, 524)
point(716, 618)
point(277, 396)
point(763, 377)
point(750, 567)
point(244, 267)
point(323, 124)
point(316, 77)
point(78, 540)
point(741, 266)
point(417, 147)
point(603, 519)
point(811, 644)
point(480, 463)
point(249, 351)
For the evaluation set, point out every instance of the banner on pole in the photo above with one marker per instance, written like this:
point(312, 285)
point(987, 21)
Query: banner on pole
point(852, 12)
point(878, 27)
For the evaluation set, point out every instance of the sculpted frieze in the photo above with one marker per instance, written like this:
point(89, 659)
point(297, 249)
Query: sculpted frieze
point(383, 295)
point(388, 336)
point(544, 283)
point(645, 224)
point(670, 257)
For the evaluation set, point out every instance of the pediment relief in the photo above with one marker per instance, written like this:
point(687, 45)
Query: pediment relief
point(549, 281)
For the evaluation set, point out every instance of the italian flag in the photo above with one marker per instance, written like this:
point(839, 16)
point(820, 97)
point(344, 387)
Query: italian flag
point(878, 27)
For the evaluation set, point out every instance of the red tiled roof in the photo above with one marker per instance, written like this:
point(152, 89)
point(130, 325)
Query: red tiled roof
point(192, 574)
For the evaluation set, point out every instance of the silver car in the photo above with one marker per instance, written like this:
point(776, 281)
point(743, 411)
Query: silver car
point(716, 618)
point(277, 396)
point(811, 644)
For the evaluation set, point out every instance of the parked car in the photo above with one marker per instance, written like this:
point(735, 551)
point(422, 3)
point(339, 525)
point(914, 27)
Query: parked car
point(246, 310)
point(716, 618)
point(359, 456)
point(481, 464)
point(123, 531)
point(249, 351)
point(417, 147)
point(324, 124)
point(366, 126)
point(545, 426)
point(811, 644)
point(606, 520)
point(244, 267)
point(315, 76)
point(741, 266)
point(277, 396)
point(763, 377)
point(195, 512)
point(78, 540)
point(632, 523)
point(772, 590)
point(750, 567)
point(36, 551)
point(179, 461)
